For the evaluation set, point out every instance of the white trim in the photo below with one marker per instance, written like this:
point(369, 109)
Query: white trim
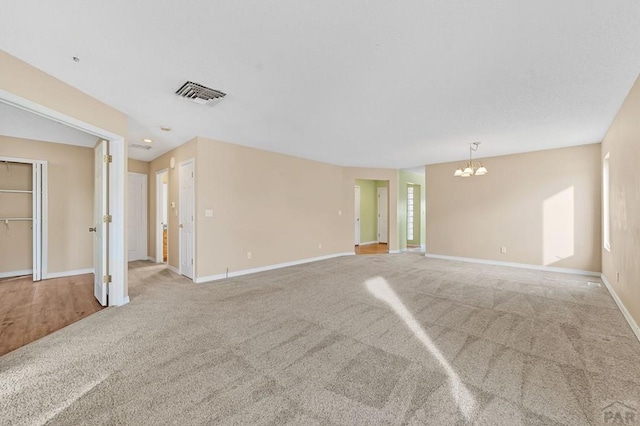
point(632, 323)
point(126, 300)
point(394, 251)
point(151, 259)
point(12, 274)
point(368, 243)
point(516, 265)
point(68, 273)
point(174, 269)
point(269, 267)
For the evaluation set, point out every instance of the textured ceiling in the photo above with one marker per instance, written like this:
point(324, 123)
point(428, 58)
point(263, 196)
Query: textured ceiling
point(361, 83)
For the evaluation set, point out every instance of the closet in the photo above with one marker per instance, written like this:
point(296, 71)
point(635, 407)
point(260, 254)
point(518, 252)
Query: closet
point(21, 213)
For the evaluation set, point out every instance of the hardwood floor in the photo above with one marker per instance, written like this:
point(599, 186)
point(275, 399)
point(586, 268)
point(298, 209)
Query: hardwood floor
point(29, 311)
point(379, 248)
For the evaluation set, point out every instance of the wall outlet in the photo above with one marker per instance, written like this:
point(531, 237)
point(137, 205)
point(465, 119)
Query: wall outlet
point(339, 212)
point(503, 250)
point(319, 245)
point(248, 255)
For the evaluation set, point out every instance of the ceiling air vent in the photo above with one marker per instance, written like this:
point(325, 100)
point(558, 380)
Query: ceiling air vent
point(200, 94)
point(140, 146)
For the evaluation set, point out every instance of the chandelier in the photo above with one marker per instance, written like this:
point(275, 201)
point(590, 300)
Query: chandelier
point(472, 168)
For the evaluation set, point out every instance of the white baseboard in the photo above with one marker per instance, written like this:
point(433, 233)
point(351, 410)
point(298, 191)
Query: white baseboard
point(394, 251)
point(173, 269)
point(16, 273)
point(269, 267)
point(125, 301)
point(368, 243)
point(50, 275)
point(623, 309)
point(516, 265)
point(151, 259)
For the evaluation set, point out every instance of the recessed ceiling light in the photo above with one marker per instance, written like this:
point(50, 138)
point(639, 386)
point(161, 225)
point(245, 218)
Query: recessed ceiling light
point(147, 140)
point(165, 128)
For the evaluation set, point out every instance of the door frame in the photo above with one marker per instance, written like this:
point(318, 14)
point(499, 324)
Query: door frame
point(145, 211)
point(386, 188)
point(117, 189)
point(357, 219)
point(158, 231)
point(193, 231)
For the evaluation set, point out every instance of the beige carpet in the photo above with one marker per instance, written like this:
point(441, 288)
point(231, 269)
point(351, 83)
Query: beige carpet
point(392, 339)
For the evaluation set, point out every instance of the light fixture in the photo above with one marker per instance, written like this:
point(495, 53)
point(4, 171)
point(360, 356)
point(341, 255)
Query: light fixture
point(471, 168)
point(165, 128)
point(147, 140)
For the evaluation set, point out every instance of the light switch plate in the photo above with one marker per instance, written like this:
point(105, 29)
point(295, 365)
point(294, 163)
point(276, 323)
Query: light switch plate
point(208, 213)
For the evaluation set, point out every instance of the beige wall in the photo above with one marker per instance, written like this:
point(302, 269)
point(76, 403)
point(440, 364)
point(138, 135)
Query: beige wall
point(279, 208)
point(137, 166)
point(622, 142)
point(21, 79)
point(70, 201)
point(181, 153)
point(544, 207)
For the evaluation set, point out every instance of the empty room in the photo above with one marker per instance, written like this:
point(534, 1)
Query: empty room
point(333, 213)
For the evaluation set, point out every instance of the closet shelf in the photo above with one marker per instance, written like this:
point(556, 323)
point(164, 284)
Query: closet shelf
point(16, 191)
point(11, 219)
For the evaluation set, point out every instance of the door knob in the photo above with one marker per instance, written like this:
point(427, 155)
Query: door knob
point(181, 226)
point(92, 229)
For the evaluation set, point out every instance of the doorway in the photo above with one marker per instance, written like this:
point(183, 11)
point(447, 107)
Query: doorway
point(371, 216)
point(162, 218)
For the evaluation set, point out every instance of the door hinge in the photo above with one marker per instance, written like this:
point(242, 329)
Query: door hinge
point(191, 174)
point(192, 261)
point(106, 279)
point(108, 158)
point(107, 218)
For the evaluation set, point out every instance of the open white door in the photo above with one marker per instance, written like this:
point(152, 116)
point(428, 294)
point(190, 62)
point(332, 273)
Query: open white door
point(100, 212)
point(357, 215)
point(186, 225)
point(383, 213)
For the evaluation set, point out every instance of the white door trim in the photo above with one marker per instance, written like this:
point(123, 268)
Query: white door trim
point(117, 189)
point(357, 218)
point(158, 231)
point(386, 209)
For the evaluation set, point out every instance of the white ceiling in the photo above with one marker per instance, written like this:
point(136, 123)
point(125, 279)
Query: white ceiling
point(19, 123)
point(361, 83)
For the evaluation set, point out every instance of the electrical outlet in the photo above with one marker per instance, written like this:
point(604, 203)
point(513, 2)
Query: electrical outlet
point(339, 212)
point(503, 250)
point(208, 213)
point(319, 245)
point(248, 255)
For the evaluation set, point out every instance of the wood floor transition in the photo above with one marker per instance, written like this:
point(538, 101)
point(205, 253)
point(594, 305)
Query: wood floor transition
point(31, 310)
point(379, 248)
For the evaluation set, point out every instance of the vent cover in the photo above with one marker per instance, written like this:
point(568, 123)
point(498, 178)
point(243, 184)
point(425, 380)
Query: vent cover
point(200, 94)
point(140, 146)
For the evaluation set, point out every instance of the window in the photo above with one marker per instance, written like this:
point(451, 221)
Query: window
point(410, 213)
point(606, 219)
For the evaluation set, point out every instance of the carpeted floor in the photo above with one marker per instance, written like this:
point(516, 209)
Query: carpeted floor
point(397, 339)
